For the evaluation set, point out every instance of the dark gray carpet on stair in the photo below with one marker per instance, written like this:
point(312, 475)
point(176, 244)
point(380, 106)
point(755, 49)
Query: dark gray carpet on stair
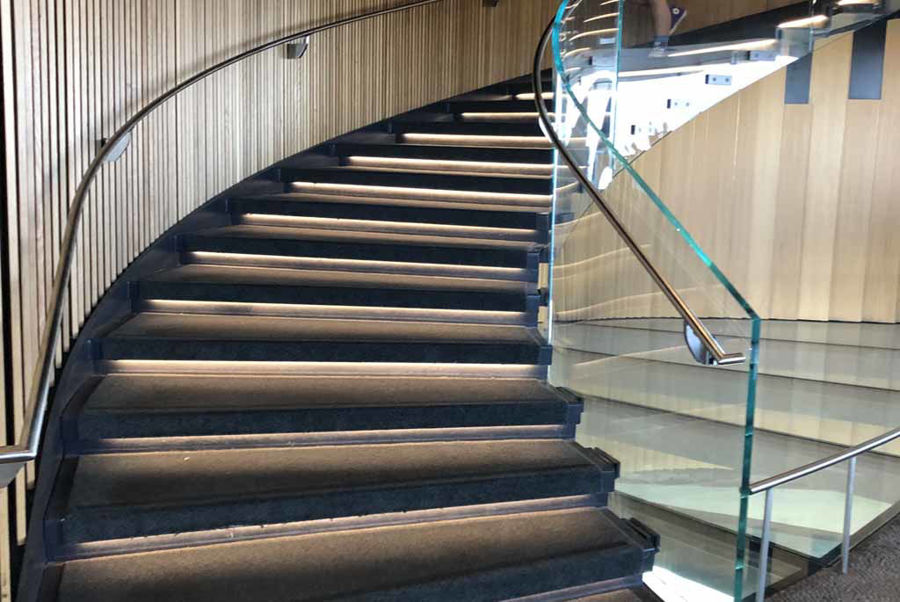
point(874, 574)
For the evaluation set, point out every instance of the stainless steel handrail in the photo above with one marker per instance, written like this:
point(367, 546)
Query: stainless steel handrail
point(813, 467)
point(768, 486)
point(28, 443)
point(706, 337)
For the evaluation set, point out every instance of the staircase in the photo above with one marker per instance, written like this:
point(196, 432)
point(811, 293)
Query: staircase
point(339, 393)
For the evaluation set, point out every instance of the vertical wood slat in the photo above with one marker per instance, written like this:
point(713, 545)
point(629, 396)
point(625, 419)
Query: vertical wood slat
point(882, 288)
point(74, 70)
point(828, 97)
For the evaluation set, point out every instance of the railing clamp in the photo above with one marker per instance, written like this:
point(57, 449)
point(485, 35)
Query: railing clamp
point(296, 50)
point(116, 152)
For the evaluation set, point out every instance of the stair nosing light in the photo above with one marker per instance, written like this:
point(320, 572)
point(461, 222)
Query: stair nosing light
point(157, 366)
point(473, 316)
point(362, 225)
point(339, 264)
point(422, 193)
point(449, 165)
point(477, 140)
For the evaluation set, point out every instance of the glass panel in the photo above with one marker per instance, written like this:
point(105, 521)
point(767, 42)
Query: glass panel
point(620, 344)
point(684, 432)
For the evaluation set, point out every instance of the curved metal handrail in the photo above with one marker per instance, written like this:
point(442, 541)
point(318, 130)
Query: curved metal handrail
point(28, 443)
point(703, 333)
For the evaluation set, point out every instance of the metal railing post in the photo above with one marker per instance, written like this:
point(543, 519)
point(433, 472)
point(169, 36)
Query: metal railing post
point(764, 549)
point(848, 516)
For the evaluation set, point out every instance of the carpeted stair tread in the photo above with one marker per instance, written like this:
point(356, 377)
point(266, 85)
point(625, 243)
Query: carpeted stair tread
point(283, 205)
point(268, 328)
point(637, 594)
point(500, 204)
point(117, 496)
point(467, 559)
point(133, 406)
point(297, 243)
point(418, 179)
point(372, 225)
point(367, 237)
point(238, 338)
point(491, 106)
point(449, 153)
point(508, 128)
point(278, 276)
point(178, 477)
point(164, 393)
point(350, 236)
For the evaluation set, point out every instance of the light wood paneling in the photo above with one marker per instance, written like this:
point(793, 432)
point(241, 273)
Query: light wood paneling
point(796, 203)
point(828, 99)
point(74, 70)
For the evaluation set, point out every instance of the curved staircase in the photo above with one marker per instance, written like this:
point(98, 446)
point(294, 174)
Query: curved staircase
point(340, 393)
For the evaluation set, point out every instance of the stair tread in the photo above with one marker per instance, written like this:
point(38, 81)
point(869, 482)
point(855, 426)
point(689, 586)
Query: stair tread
point(511, 128)
point(373, 225)
point(512, 155)
point(131, 407)
point(267, 328)
point(323, 565)
point(162, 392)
point(276, 276)
point(638, 594)
point(423, 174)
point(143, 479)
point(349, 236)
point(288, 205)
point(498, 205)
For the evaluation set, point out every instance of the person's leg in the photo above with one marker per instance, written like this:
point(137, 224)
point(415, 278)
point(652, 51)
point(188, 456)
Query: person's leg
point(662, 21)
point(666, 19)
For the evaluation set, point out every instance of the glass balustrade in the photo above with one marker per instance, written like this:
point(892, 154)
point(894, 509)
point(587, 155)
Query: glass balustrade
point(683, 430)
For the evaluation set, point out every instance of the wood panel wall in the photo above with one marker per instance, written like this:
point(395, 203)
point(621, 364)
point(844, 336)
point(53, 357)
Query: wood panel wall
point(74, 70)
point(798, 204)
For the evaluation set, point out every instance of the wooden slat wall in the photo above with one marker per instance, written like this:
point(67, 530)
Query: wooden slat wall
point(73, 70)
point(796, 203)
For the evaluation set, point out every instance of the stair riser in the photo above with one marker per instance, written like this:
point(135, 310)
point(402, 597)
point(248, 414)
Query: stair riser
point(451, 255)
point(339, 296)
point(510, 185)
point(120, 523)
point(490, 219)
point(497, 106)
point(95, 426)
point(322, 351)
